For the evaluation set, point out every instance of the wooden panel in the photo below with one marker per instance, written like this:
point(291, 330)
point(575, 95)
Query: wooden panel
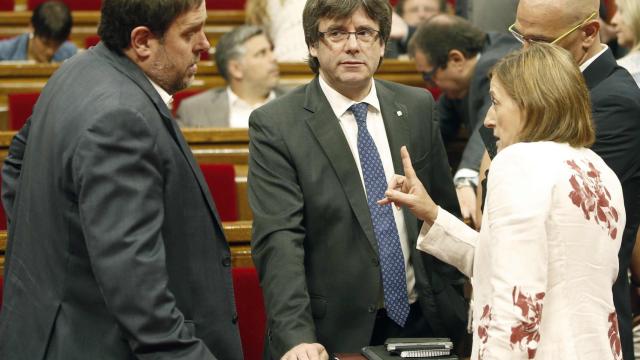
point(238, 235)
point(85, 24)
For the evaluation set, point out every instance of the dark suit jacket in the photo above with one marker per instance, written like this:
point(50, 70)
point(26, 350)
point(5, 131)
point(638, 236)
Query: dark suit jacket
point(615, 103)
point(471, 111)
point(313, 242)
point(115, 247)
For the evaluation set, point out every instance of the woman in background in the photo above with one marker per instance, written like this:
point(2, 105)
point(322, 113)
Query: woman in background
point(626, 23)
point(543, 264)
point(283, 21)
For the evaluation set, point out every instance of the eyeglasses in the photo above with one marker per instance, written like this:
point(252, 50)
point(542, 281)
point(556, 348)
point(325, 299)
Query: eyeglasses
point(365, 36)
point(527, 39)
point(427, 76)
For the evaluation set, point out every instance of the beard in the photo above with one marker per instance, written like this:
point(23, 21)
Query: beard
point(168, 75)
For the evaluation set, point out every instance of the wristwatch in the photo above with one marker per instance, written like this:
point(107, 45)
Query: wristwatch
point(463, 182)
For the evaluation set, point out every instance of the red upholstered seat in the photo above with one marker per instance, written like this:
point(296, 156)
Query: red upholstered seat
point(91, 40)
point(221, 179)
point(86, 5)
point(251, 313)
point(181, 95)
point(225, 4)
point(20, 108)
point(3, 216)
point(6, 5)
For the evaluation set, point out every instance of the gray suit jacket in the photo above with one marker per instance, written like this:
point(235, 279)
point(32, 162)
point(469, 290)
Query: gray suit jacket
point(208, 109)
point(313, 242)
point(115, 247)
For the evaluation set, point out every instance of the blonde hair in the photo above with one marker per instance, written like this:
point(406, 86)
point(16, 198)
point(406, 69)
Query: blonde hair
point(550, 90)
point(630, 12)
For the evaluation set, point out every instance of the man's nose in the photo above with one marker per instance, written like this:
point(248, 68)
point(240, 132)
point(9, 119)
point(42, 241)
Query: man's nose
point(352, 43)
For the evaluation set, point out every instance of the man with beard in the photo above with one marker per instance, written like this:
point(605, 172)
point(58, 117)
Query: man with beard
point(245, 59)
point(115, 247)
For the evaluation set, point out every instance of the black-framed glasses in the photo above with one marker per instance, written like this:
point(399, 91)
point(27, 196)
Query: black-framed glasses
point(365, 36)
point(427, 76)
point(526, 39)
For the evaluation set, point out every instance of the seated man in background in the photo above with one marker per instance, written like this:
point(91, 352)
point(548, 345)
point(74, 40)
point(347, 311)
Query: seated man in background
point(244, 57)
point(47, 41)
point(456, 56)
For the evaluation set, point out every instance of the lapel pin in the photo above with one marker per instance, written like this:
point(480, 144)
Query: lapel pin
point(399, 113)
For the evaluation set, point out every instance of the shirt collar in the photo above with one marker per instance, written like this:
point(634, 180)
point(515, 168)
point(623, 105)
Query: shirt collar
point(586, 64)
point(168, 99)
point(233, 98)
point(340, 103)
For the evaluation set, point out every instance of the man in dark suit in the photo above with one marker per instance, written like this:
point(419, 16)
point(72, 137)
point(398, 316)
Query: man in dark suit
point(339, 271)
point(457, 57)
point(115, 247)
point(615, 98)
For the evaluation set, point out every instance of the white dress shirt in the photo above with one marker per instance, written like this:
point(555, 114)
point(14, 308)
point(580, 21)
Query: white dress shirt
point(239, 110)
point(166, 97)
point(340, 105)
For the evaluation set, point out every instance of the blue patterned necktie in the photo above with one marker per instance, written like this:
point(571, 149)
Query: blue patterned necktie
point(394, 281)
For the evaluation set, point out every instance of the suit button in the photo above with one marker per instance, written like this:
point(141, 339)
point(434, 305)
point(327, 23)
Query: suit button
point(375, 262)
point(234, 320)
point(372, 308)
point(226, 262)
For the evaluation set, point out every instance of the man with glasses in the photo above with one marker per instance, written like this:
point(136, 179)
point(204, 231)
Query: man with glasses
point(457, 57)
point(615, 98)
point(339, 271)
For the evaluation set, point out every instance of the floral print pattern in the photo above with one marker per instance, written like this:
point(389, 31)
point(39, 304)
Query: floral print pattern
point(483, 329)
point(614, 336)
point(590, 195)
point(526, 335)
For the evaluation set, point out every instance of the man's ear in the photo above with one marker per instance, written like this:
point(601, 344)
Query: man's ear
point(456, 59)
point(313, 50)
point(142, 41)
point(235, 69)
point(591, 31)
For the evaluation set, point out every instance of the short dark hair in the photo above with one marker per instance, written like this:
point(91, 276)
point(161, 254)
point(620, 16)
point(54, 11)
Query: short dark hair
point(51, 20)
point(442, 6)
point(231, 46)
point(443, 33)
point(315, 10)
point(120, 17)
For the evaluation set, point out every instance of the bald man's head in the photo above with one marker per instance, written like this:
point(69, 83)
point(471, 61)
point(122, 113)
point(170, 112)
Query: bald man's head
point(549, 20)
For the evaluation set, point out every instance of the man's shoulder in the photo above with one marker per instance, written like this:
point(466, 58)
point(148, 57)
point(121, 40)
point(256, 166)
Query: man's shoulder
point(208, 96)
point(8, 47)
point(618, 87)
point(401, 91)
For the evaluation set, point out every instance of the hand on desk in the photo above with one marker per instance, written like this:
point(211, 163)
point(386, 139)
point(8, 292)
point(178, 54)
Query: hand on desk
point(305, 351)
point(408, 191)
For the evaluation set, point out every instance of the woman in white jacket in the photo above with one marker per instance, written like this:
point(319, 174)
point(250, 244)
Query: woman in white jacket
point(543, 264)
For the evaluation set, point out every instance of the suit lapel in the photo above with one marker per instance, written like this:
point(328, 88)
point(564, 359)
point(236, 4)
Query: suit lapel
point(326, 129)
point(599, 69)
point(128, 68)
point(395, 117)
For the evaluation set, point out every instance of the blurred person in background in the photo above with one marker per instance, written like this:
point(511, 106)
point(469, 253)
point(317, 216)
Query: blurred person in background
point(283, 21)
point(47, 39)
point(626, 23)
point(245, 59)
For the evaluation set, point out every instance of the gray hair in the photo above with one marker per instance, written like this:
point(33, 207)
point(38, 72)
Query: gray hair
point(231, 46)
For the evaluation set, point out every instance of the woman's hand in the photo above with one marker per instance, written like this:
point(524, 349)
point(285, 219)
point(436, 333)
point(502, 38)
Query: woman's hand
point(408, 191)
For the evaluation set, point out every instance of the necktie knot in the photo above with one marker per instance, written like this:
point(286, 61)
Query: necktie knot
point(359, 111)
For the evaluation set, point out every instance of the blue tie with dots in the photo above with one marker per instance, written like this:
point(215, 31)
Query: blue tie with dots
point(394, 282)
